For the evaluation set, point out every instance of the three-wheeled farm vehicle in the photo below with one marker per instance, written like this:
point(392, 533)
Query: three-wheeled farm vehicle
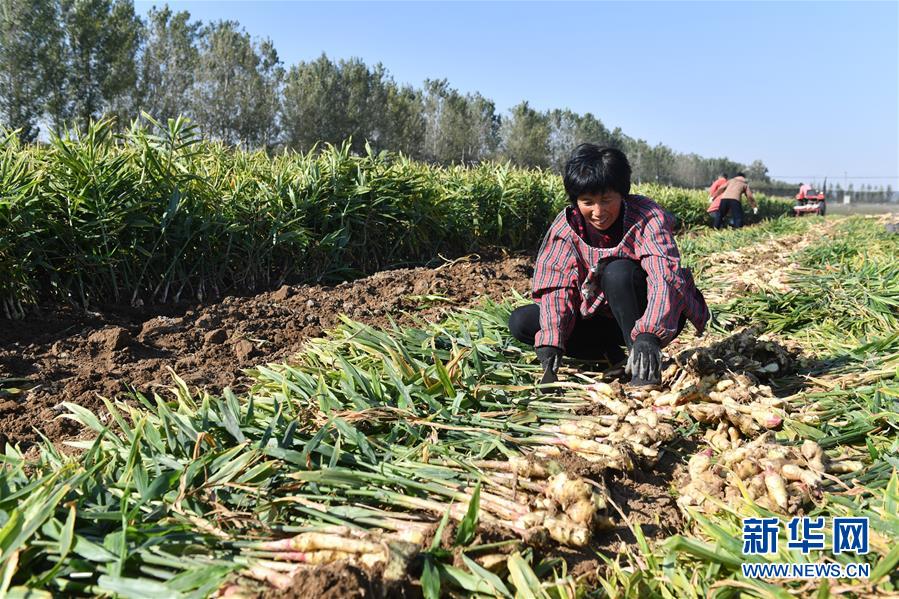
point(810, 201)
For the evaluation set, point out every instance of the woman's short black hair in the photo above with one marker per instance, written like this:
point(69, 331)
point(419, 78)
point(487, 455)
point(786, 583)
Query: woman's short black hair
point(595, 169)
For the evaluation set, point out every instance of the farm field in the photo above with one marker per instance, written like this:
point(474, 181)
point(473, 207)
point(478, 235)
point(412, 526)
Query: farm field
point(267, 281)
point(170, 430)
point(416, 457)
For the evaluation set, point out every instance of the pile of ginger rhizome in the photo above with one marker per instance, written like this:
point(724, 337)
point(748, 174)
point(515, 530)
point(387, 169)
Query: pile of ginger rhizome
point(714, 411)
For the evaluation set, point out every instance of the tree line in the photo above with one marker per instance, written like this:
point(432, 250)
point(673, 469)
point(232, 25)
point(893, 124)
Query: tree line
point(64, 63)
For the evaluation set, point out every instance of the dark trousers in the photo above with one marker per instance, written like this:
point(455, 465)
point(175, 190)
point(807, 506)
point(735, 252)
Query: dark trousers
point(726, 206)
point(599, 337)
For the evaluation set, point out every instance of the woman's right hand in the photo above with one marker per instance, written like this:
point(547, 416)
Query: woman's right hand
point(550, 358)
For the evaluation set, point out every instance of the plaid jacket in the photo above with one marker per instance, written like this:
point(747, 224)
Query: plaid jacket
point(565, 273)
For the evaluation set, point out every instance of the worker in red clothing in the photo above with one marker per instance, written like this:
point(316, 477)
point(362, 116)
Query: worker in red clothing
point(730, 195)
point(608, 275)
point(714, 198)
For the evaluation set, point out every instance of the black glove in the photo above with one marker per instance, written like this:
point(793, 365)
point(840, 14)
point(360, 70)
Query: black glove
point(645, 361)
point(550, 358)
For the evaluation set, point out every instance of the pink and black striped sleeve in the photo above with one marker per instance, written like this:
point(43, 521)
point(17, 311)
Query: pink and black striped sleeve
point(555, 285)
point(660, 259)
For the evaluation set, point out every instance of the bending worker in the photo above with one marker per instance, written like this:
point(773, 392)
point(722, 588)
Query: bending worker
point(730, 201)
point(608, 275)
point(714, 198)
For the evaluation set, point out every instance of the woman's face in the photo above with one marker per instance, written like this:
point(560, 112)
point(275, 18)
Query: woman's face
point(600, 210)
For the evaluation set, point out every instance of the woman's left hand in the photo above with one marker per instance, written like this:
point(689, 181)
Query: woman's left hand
point(645, 361)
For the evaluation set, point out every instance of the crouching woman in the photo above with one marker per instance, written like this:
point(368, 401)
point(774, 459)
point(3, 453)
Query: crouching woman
point(608, 278)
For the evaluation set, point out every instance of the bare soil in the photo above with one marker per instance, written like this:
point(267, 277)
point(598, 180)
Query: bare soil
point(60, 354)
point(341, 580)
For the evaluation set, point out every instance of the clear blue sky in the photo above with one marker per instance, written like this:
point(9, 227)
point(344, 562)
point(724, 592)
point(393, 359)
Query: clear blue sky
point(811, 88)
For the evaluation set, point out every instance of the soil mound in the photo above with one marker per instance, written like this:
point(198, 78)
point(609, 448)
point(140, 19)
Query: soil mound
point(60, 354)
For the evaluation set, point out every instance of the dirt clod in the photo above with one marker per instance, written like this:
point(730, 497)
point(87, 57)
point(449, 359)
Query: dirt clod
point(216, 337)
point(244, 350)
point(110, 340)
point(332, 581)
point(282, 294)
point(207, 321)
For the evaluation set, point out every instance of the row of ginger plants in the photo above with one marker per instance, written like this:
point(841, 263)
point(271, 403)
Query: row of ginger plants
point(158, 214)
